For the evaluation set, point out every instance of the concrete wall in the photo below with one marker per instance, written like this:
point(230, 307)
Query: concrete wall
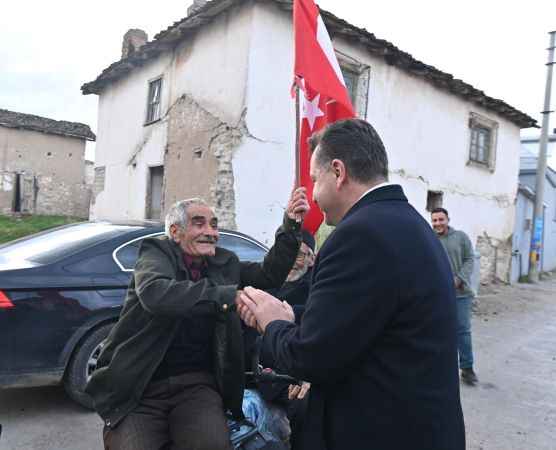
point(52, 171)
point(548, 261)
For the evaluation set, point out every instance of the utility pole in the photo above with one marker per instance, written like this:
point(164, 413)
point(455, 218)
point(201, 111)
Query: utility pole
point(538, 216)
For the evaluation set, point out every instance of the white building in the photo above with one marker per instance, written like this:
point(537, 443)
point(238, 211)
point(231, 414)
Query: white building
point(204, 109)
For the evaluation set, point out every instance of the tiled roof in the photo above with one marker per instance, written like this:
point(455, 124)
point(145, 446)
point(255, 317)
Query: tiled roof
point(13, 119)
point(168, 38)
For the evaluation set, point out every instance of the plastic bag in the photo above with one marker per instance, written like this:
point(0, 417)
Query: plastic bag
point(266, 426)
point(267, 417)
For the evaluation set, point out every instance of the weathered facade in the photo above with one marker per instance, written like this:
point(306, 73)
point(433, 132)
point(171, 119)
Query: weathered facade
point(42, 166)
point(208, 101)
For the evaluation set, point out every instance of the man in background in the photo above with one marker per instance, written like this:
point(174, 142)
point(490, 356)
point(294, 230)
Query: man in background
point(460, 253)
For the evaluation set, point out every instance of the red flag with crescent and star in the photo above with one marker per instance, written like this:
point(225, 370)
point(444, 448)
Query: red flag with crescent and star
point(324, 97)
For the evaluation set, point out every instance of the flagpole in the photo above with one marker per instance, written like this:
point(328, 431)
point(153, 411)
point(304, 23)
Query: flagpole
point(297, 146)
point(297, 138)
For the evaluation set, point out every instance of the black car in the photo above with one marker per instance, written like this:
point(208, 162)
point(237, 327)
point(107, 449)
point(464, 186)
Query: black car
point(62, 290)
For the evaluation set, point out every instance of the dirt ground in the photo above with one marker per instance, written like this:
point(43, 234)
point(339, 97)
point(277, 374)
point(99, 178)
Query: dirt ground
point(514, 337)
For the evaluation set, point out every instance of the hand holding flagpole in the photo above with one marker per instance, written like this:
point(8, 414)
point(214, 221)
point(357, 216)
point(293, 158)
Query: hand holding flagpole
point(298, 205)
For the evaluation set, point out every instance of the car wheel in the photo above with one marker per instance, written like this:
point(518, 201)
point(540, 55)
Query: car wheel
point(83, 363)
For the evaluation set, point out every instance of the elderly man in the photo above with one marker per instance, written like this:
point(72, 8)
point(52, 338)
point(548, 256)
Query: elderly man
point(296, 288)
point(377, 340)
point(174, 361)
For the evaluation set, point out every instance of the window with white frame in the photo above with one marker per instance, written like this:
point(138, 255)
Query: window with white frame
point(153, 101)
point(482, 145)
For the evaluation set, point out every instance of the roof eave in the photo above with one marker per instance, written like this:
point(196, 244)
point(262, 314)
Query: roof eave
point(391, 54)
point(88, 136)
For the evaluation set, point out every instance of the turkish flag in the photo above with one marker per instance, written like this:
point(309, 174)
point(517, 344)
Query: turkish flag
point(323, 94)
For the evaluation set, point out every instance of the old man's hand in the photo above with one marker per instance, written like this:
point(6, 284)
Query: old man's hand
point(258, 308)
point(298, 206)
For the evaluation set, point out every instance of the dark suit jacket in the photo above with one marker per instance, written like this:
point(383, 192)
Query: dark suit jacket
point(378, 337)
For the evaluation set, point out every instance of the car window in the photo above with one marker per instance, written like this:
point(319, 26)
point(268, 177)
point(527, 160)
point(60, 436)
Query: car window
point(245, 249)
point(51, 246)
point(127, 255)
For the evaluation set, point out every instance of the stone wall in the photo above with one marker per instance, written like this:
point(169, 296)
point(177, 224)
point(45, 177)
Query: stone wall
point(44, 195)
point(63, 198)
point(496, 259)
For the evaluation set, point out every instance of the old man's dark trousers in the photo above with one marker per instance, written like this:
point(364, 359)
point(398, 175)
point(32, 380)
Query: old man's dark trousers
point(177, 413)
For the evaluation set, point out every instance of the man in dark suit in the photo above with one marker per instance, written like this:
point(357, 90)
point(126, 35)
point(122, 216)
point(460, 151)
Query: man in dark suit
point(378, 337)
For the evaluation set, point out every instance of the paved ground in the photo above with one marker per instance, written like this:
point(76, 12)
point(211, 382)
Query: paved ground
point(45, 419)
point(513, 408)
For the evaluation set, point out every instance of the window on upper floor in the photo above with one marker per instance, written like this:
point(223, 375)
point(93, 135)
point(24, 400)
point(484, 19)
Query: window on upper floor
point(356, 77)
point(153, 101)
point(351, 78)
point(482, 145)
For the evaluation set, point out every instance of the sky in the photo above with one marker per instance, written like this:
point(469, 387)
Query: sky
point(49, 49)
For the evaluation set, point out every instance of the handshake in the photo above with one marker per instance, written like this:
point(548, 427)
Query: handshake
point(258, 308)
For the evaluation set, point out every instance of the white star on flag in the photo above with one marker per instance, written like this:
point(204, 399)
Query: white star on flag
point(311, 110)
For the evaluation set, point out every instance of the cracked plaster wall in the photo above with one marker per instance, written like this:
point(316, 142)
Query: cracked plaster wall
point(426, 133)
point(477, 214)
point(249, 179)
point(210, 64)
point(198, 160)
point(126, 146)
